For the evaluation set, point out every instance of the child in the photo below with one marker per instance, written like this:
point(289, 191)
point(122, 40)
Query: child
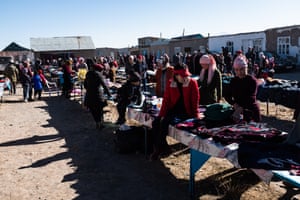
point(37, 84)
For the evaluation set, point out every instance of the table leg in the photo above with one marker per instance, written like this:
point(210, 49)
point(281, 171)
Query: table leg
point(197, 159)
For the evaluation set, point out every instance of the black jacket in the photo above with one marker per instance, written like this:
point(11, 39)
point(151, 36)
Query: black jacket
point(95, 88)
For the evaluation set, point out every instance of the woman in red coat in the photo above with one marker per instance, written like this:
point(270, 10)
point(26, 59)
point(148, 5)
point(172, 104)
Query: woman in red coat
point(180, 102)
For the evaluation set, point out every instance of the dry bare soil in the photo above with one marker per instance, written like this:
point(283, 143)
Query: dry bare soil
point(50, 150)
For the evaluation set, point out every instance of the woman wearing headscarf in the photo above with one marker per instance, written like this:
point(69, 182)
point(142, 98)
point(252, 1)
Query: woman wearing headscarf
point(94, 99)
point(210, 81)
point(163, 74)
point(242, 92)
point(180, 102)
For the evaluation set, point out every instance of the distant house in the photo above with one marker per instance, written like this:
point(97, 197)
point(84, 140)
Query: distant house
point(159, 47)
point(144, 46)
point(18, 52)
point(63, 47)
point(187, 44)
point(240, 41)
point(285, 41)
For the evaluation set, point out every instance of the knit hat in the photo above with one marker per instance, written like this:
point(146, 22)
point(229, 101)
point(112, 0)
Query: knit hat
point(140, 57)
point(240, 62)
point(98, 67)
point(115, 63)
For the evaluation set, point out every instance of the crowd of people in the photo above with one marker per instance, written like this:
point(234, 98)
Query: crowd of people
point(182, 93)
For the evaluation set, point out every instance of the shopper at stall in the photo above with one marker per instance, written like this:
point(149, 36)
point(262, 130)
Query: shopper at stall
point(164, 73)
point(210, 81)
point(180, 102)
point(26, 81)
point(129, 92)
point(68, 75)
point(242, 93)
point(94, 98)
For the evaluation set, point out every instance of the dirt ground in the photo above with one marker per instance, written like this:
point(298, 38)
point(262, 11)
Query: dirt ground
point(50, 150)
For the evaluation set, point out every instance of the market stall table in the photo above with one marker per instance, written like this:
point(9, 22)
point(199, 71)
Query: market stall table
point(202, 149)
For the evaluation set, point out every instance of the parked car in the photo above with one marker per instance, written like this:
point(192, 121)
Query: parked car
point(284, 63)
point(280, 63)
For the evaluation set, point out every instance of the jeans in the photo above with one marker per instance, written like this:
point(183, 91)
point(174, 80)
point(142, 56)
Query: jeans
point(26, 90)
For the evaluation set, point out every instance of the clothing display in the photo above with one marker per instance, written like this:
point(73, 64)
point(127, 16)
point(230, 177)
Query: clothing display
point(282, 92)
point(269, 156)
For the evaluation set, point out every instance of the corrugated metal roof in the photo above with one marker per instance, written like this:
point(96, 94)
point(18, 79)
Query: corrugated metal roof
point(62, 43)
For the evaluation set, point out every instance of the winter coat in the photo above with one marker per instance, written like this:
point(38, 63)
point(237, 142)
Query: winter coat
point(37, 82)
point(11, 72)
point(95, 88)
point(191, 97)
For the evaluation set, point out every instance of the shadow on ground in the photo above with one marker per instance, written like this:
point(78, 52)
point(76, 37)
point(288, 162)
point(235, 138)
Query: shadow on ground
point(101, 173)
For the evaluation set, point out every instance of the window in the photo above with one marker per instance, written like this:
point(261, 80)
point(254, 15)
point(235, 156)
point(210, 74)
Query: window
point(177, 50)
point(283, 45)
point(187, 50)
point(229, 45)
point(202, 49)
point(257, 45)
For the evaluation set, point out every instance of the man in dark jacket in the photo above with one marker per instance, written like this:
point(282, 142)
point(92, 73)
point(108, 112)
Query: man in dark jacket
point(129, 92)
point(94, 99)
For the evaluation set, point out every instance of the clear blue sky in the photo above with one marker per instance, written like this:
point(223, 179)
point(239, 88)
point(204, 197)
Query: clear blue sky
point(119, 23)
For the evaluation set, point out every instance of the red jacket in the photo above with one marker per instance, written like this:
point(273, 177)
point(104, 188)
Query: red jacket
point(191, 97)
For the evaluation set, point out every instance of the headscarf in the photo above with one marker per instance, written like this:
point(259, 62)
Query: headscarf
point(208, 59)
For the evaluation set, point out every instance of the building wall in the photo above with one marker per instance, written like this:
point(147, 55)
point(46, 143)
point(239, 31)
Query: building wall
point(159, 50)
point(18, 55)
point(111, 52)
point(293, 32)
point(65, 54)
point(146, 41)
point(187, 45)
point(240, 41)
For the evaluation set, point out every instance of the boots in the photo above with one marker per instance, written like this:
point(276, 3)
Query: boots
point(155, 154)
point(158, 152)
